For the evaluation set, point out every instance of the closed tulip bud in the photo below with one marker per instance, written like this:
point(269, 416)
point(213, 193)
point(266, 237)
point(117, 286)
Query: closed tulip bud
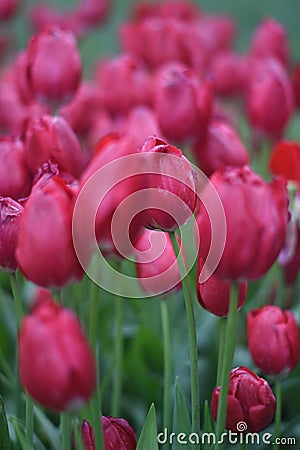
point(269, 97)
point(15, 178)
point(8, 8)
point(221, 146)
point(10, 214)
point(54, 64)
point(156, 263)
point(270, 40)
point(214, 293)
point(49, 137)
point(273, 339)
point(45, 251)
point(285, 160)
point(56, 364)
point(250, 400)
point(176, 85)
point(123, 82)
point(256, 215)
point(172, 185)
point(117, 434)
point(228, 75)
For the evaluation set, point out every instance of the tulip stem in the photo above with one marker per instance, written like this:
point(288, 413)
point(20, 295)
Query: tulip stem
point(93, 314)
point(227, 362)
point(117, 388)
point(96, 420)
point(278, 410)
point(167, 364)
point(65, 421)
point(192, 335)
point(221, 349)
point(29, 405)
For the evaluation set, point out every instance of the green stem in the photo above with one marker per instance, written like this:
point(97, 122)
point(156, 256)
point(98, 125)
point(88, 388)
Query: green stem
point(192, 335)
point(221, 349)
point(278, 411)
point(29, 405)
point(227, 362)
point(96, 421)
point(119, 348)
point(16, 296)
point(167, 364)
point(243, 445)
point(93, 314)
point(65, 421)
point(29, 421)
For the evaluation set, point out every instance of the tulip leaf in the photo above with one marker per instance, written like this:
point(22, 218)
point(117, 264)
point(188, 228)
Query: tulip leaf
point(4, 433)
point(181, 417)
point(207, 418)
point(148, 437)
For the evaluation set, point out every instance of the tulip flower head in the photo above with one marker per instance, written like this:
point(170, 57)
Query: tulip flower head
point(56, 364)
point(250, 400)
point(273, 339)
point(117, 434)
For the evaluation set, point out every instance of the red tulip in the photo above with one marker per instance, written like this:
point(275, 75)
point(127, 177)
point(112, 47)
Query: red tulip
point(102, 202)
point(117, 434)
point(256, 215)
point(10, 215)
point(273, 339)
point(15, 179)
point(52, 138)
point(171, 182)
point(156, 263)
point(270, 40)
point(54, 64)
point(123, 82)
point(250, 400)
point(227, 69)
point(285, 160)
point(8, 8)
point(56, 364)
point(214, 293)
point(269, 97)
point(221, 146)
point(45, 251)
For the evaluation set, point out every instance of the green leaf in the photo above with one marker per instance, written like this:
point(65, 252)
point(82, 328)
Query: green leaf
point(207, 418)
point(4, 434)
point(181, 417)
point(148, 437)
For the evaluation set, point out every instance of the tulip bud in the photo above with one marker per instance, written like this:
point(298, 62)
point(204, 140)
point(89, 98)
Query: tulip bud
point(124, 82)
point(156, 263)
point(221, 146)
point(10, 214)
point(269, 97)
point(15, 179)
point(54, 64)
point(214, 293)
point(256, 217)
point(8, 8)
point(285, 160)
point(56, 364)
point(228, 74)
point(172, 185)
point(52, 138)
point(273, 339)
point(296, 85)
point(250, 400)
point(117, 434)
point(45, 251)
point(270, 40)
point(175, 101)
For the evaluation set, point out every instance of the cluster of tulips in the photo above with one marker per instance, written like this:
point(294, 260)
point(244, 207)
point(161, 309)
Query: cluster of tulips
point(117, 164)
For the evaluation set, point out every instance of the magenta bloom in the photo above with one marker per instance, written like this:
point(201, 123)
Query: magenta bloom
point(56, 364)
point(273, 339)
point(250, 400)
